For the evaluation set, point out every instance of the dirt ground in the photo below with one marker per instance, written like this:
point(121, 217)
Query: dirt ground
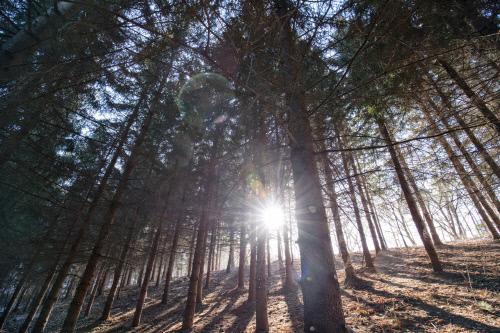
point(402, 295)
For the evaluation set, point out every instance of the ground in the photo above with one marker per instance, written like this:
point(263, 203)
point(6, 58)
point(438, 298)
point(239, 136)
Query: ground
point(403, 295)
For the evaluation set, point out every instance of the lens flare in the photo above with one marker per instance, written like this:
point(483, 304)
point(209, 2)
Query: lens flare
point(272, 216)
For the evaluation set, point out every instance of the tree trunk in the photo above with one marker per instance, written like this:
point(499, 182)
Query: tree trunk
point(289, 278)
point(51, 299)
point(211, 253)
point(479, 146)
point(280, 256)
point(172, 253)
point(352, 195)
point(474, 98)
point(474, 167)
point(77, 302)
point(269, 267)
point(199, 251)
point(243, 251)
point(364, 204)
point(17, 290)
point(374, 215)
point(99, 280)
point(253, 262)
point(230, 260)
point(118, 270)
point(199, 287)
point(191, 247)
point(420, 199)
point(261, 321)
point(468, 183)
point(35, 305)
point(412, 205)
point(350, 275)
point(320, 288)
point(149, 268)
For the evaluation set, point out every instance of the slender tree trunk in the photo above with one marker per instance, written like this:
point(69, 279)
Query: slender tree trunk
point(149, 268)
point(77, 302)
point(99, 278)
point(161, 262)
point(364, 204)
point(399, 228)
point(289, 279)
point(350, 275)
point(118, 270)
point(352, 195)
point(253, 263)
point(172, 253)
point(261, 321)
point(280, 256)
point(479, 146)
point(420, 199)
point(472, 164)
point(268, 250)
point(243, 251)
point(230, 261)
point(17, 291)
point(199, 287)
point(374, 215)
point(191, 247)
point(474, 98)
point(51, 299)
point(412, 205)
point(194, 287)
point(102, 285)
point(211, 253)
point(35, 305)
point(468, 183)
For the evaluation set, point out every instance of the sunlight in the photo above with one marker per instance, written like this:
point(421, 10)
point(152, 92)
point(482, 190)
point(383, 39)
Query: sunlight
point(272, 216)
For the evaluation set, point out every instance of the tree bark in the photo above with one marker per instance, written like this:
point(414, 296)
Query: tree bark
point(474, 167)
point(479, 146)
point(211, 254)
point(149, 266)
point(352, 195)
point(199, 251)
point(412, 205)
point(100, 278)
point(320, 288)
point(230, 260)
point(350, 275)
point(374, 214)
point(261, 320)
point(364, 204)
point(77, 302)
point(173, 250)
point(420, 199)
point(253, 262)
point(51, 299)
point(243, 251)
point(118, 271)
point(469, 185)
point(473, 97)
point(35, 305)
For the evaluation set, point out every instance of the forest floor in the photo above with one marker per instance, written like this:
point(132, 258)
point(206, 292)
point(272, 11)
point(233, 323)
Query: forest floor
point(403, 295)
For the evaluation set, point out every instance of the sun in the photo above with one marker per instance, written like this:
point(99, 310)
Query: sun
point(272, 216)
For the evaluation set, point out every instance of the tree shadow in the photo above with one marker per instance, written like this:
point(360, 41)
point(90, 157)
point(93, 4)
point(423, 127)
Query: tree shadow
point(295, 308)
point(433, 311)
point(212, 325)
